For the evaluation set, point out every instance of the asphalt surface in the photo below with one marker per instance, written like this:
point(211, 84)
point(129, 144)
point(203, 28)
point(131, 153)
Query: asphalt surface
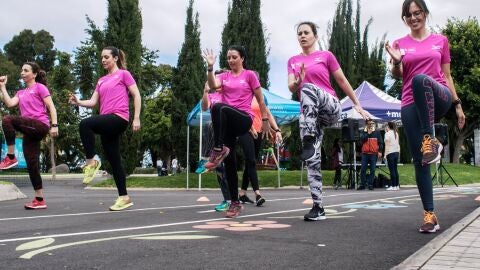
point(166, 230)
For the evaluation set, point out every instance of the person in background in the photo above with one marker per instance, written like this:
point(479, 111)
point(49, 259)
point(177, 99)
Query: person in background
point(309, 75)
point(372, 147)
point(159, 166)
point(422, 60)
point(174, 165)
point(112, 92)
point(392, 153)
point(337, 161)
point(34, 103)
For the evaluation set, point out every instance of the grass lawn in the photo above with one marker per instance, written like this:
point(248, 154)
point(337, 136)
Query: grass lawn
point(462, 174)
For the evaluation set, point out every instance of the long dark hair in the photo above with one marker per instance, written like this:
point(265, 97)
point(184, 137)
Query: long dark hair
point(116, 52)
point(393, 126)
point(243, 53)
point(312, 25)
point(406, 7)
point(41, 74)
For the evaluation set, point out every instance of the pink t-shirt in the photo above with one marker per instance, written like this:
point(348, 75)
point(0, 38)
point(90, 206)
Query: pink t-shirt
point(213, 98)
point(237, 90)
point(318, 67)
point(31, 102)
point(422, 57)
point(113, 92)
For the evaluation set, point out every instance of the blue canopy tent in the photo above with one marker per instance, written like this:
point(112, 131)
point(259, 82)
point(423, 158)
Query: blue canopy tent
point(283, 110)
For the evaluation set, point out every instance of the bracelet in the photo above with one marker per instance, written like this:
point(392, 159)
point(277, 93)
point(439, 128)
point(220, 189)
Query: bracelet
point(278, 130)
point(210, 69)
point(264, 119)
point(397, 63)
point(54, 125)
point(457, 101)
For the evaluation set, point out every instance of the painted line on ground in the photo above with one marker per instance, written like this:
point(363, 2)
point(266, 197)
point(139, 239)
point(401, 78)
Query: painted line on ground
point(185, 222)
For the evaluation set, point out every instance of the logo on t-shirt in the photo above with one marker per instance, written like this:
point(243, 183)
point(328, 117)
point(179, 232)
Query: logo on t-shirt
point(317, 59)
point(242, 81)
point(436, 47)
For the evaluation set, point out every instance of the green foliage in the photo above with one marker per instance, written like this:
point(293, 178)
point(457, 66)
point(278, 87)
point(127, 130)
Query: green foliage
point(188, 80)
point(29, 46)
point(244, 27)
point(8, 68)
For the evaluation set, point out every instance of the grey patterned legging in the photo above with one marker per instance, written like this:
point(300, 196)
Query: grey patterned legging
point(319, 109)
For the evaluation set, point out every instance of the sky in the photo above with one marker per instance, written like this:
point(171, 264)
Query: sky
point(164, 22)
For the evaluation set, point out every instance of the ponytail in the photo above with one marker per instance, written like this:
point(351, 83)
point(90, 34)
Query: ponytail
point(121, 62)
point(41, 74)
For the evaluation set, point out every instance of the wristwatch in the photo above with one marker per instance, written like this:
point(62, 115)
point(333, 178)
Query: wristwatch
point(457, 101)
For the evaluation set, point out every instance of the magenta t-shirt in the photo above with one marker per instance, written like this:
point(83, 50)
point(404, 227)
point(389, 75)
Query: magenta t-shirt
point(213, 98)
point(422, 57)
point(113, 92)
point(237, 91)
point(318, 67)
point(31, 102)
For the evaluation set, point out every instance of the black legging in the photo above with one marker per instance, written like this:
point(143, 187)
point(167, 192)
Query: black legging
point(228, 123)
point(110, 127)
point(251, 148)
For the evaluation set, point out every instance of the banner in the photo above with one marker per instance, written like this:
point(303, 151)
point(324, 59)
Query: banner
point(22, 164)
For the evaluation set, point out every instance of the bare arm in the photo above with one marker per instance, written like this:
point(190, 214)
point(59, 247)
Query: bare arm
point(348, 90)
point(451, 86)
point(205, 97)
point(263, 109)
point(53, 115)
point(137, 106)
point(294, 80)
point(89, 103)
point(9, 102)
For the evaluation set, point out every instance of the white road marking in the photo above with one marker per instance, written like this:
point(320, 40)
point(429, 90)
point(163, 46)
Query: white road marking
point(185, 222)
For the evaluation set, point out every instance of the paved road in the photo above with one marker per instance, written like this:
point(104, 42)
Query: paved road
point(167, 230)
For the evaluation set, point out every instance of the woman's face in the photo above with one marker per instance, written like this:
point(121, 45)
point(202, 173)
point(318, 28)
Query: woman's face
point(305, 36)
point(27, 74)
point(235, 61)
point(108, 60)
point(416, 19)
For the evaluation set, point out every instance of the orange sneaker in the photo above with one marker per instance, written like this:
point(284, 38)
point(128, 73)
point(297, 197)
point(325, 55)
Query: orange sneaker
point(430, 223)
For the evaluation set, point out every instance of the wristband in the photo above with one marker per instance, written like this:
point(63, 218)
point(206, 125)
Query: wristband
point(457, 101)
point(210, 69)
point(54, 125)
point(264, 119)
point(278, 130)
point(397, 63)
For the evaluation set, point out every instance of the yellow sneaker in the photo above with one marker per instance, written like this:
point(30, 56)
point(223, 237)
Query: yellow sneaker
point(430, 223)
point(121, 204)
point(89, 172)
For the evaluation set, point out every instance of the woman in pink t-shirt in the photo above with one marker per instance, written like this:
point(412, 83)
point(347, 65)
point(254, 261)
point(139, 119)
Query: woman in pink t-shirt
point(309, 76)
point(233, 117)
point(422, 60)
point(112, 93)
point(33, 123)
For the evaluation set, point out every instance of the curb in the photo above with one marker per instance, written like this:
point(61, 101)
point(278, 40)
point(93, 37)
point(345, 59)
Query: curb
point(10, 192)
point(421, 257)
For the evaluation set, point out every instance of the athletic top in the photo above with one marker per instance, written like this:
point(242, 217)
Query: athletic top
point(31, 104)
point(113, 92)
point(257, 114)
point(318, 67)
point(391, 143)
point(422, 57)
point(237, 90)
point(213, 98)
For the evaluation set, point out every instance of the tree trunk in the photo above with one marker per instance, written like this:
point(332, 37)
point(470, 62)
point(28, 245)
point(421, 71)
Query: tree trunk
point(457, 147)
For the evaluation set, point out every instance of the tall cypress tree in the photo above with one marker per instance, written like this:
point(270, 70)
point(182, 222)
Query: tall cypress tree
point(188, 80)
point(244, 27)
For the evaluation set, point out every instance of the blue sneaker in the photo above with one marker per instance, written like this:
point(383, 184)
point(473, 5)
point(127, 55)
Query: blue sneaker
point(223, 206)
point(201, 167)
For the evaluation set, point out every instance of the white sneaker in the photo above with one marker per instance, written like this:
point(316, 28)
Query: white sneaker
point(397, 188)
point(391, 188)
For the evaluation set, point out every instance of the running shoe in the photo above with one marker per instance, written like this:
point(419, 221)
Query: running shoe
point(311, 148)
point(431, 149)
point(234, 210)
point(259, 200)
point(316, 213)
point(201, 166)
point(36, 204)
point(89, 172)
point(121, 204)
point(217, 157)
point(8, 163)
point(430, 223)
point(244, 199)
point(222, 207)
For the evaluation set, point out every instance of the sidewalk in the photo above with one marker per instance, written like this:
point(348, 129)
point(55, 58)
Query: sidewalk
point(456, 248)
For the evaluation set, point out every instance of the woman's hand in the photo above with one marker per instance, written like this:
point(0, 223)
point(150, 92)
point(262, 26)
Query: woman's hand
point(394, 53)
point(265, 129)
point(72, 99)
point(3, 80)
point(136, 124)
point(300, 76)
point(253, 132)
point(209, 56)
point(460, 117)
point(360, 110)
point(53, 132)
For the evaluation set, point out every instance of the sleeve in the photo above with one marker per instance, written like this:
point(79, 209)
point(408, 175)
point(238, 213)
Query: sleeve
point(380, 142)
point(332, 62)
point(363, 136)
point(128, 78)
point(291, 66)
point(445, 52)
point(43, 91)
point(253, 80)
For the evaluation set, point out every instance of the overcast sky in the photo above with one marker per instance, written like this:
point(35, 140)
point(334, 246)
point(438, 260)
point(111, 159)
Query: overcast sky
point(164, 21)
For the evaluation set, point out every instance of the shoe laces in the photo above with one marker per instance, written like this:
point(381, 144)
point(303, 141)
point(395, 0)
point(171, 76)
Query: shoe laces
point(427, 144)
point(429, 217)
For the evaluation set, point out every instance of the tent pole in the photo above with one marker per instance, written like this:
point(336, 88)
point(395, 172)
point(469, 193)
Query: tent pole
point(354, 164)
point(200, 150)
point(278, 164)
point(188, 151)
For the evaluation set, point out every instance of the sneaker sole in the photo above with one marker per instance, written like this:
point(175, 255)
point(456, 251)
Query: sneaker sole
point(10, 166)
point(260, 202)
point(123, 208)
point(315, 219)
point(435, 229)
point(435, 158)
point(88, 179)
point(37, 207)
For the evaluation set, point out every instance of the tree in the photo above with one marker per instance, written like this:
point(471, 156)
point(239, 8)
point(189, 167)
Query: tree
point(464, 39)
point(244, 27)
point(29, 46)
point(188, 80)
